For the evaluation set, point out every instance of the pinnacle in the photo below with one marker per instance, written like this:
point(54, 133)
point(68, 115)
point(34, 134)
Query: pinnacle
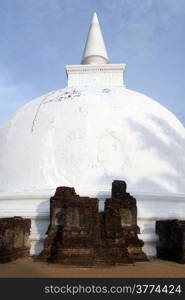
point(95, 18)
point(95, 51)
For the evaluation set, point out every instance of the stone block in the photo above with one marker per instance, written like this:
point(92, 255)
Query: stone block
point(14, 238)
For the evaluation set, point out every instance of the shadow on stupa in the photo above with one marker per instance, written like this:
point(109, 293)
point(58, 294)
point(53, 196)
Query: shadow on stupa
point(40, 226)
point(170, 151)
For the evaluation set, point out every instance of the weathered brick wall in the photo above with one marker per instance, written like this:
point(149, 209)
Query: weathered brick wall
point(79, 234)
point(14, 238)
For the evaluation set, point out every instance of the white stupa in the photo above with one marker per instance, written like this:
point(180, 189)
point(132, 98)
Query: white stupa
point(87, 135)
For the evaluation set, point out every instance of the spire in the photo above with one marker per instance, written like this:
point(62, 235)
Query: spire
point(95, 51)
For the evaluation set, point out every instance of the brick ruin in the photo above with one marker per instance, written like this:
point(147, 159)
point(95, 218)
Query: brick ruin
point(14, 238)
point(121, 230)
point(171, 244)
point(73, 233)
point(79, 234)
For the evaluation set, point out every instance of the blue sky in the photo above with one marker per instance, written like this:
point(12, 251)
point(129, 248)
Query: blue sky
point(39, 37)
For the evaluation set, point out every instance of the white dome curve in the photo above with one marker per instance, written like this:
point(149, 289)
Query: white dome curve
point(87, 137)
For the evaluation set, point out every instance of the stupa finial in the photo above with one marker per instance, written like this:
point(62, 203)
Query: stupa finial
point(95, 51)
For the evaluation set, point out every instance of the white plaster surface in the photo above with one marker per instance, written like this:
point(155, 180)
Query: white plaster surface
point(87, 137)
point(110, 75)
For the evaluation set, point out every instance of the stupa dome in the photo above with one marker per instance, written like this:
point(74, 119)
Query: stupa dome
point(88, 136)
point(85, 136)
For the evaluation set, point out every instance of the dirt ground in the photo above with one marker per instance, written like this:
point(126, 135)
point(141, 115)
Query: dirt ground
point(27, 267)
